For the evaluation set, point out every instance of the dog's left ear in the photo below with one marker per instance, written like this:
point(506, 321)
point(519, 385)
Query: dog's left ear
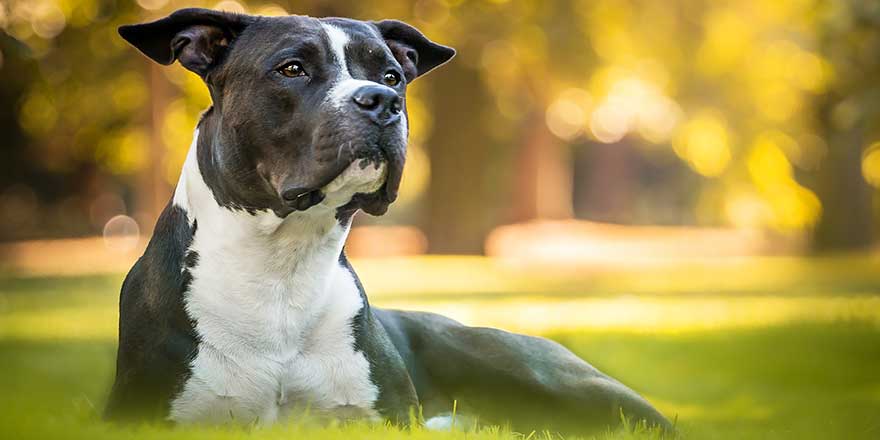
point(416, 53)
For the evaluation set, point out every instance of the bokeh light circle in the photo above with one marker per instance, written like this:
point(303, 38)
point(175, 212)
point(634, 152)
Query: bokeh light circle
point(121, 233)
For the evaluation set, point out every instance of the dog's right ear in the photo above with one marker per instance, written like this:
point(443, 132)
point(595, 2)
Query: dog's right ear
point(197, 37)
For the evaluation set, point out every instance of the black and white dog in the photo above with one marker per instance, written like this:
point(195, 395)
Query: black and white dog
point(244, 307)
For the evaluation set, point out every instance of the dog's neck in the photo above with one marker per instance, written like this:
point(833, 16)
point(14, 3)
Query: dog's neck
point(257, 242)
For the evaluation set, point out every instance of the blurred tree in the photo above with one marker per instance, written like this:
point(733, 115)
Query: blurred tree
point(848, 113)
point(460, 199)
point(493, 157)
point(634, 111)
point(73, 144)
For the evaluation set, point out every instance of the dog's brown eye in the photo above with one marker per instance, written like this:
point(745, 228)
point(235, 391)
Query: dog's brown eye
point(292, 70)
point(391, 78)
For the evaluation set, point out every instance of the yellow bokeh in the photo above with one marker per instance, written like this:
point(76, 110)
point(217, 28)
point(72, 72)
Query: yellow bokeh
point(568, 114)
point(633, 100)
point(129, 92)
point(777, 101)
point(727, 41)
point(792, 205)
point(416, 174)
point(609, 23)
point(38, 114)
point(767, 163)
point(270, 10)
point(871, 165)
point(746, 209)
point(704, 143)
point(177, 128)
point(123, 152)
point(632, 72)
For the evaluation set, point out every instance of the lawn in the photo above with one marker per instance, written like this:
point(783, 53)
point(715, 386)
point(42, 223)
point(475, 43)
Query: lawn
point(770, 348)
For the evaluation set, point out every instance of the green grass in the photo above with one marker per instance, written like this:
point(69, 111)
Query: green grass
point(796, 378)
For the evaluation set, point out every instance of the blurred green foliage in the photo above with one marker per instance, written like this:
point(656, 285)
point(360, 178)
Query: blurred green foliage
point(750, 114)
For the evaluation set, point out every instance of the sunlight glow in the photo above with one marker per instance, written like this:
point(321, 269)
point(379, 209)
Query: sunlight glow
point(704, 144)
point(271, 10)
point(567, 115)
point(231, 6)
point(633, 104)
point(871, 165)
point(152, 5)
point(793, 206)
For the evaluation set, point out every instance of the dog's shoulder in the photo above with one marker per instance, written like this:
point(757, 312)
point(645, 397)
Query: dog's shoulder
point(397, 394)
point(156, 283)
point(157, 338)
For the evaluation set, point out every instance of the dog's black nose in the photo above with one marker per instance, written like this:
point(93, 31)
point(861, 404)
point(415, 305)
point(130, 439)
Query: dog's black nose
point(380, 103)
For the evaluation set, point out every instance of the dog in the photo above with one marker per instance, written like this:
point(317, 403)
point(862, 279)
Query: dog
point(244, 307)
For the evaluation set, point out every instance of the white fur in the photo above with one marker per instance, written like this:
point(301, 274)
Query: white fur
point(272, 305)
point(273, 309)
point(402, 126)
point(360, 177)
point(338, 40)
point(344, 85)
point(448, 422)
point(340, 94)
point(439, 423)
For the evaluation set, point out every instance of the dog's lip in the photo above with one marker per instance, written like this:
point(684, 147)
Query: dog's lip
point(305, 200)
point(376, 154)
point(308, 197)
point(376, 203)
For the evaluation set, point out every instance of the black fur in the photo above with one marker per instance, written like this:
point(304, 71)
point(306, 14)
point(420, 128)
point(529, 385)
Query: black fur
point(529, 383)
point(397, 395)
point(268, 134)
point(157, 339)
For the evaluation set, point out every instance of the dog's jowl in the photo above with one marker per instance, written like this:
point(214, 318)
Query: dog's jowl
point(244, 308)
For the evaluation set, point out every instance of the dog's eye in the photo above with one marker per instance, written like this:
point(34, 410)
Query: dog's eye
point(292, 70)
point(391, 78)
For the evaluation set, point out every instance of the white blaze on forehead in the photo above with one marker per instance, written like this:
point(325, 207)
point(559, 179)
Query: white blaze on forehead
point(338, 40)
point(344, 86)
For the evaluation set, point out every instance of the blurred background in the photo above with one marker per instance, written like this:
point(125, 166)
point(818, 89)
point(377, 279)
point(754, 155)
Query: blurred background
point(636, 178)
point(751, 123)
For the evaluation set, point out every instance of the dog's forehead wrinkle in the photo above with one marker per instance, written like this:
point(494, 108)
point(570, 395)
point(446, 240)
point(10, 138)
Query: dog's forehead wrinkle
point(268, 35)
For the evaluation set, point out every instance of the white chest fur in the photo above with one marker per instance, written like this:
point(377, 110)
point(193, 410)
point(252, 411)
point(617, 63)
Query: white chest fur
point(273, 311)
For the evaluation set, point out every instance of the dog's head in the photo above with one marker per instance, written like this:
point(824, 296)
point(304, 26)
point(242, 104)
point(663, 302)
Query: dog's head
point(306, 110)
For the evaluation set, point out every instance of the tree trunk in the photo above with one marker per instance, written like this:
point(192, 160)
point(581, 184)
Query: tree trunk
point(846, 221)
point(846, 114)
point(153, 191)
point(461, 202)
point(542, 180)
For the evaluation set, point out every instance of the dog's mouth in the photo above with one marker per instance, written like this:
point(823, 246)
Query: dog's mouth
point(362, 176)
point(369, 182)
point(376, 202)
point(304, 200)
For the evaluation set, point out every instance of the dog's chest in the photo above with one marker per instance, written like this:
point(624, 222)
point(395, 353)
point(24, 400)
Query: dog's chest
point(272, 341)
